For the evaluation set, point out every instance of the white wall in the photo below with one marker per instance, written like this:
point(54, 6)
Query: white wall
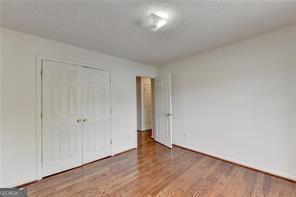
point(18, 126)
point(238, 102)
point(1, 63)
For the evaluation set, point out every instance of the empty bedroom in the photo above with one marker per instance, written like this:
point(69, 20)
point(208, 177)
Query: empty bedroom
point(147, 98)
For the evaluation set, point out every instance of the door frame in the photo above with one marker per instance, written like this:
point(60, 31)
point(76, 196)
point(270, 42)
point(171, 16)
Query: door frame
point(39, 61)
point(152, 77)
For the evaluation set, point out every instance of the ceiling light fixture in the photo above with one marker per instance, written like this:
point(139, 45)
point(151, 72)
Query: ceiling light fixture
point(156, 20)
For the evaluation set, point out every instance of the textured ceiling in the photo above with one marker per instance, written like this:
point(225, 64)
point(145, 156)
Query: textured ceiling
point(113, 27)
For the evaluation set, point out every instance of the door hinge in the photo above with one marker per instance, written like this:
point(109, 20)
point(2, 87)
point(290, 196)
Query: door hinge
point(41, 115)
point(110, 111)
point(110, 80)
point(41, 73)
point(110, 141)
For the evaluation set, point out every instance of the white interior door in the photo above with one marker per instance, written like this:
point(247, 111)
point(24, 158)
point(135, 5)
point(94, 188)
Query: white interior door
point(163, 110)
point(75, 116)
point(61, 133)
point(96, 122)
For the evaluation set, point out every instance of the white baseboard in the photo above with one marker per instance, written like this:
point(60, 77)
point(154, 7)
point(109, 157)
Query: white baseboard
point(18, 183)
point(123, 151)
point(244, 164)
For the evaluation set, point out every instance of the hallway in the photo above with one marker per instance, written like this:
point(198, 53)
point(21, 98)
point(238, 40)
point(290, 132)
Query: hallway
point(144, 137)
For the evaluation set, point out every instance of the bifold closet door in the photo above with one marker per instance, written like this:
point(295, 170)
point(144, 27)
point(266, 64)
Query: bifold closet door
point(96, 110)
point(61, 108)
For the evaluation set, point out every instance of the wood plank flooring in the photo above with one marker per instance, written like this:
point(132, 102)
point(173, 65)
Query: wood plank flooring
point(154, 170)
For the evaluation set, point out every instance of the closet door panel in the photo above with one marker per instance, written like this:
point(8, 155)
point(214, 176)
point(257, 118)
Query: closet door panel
point(61, 108)
point(96, 105)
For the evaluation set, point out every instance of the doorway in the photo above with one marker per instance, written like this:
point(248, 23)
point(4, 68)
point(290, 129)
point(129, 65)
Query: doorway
point(145, 102)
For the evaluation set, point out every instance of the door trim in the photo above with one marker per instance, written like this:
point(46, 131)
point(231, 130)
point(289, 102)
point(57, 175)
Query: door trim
point(39, 61)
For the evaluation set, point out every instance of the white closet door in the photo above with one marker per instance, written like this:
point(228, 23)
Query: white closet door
point(61, 108)
point(163, 110)
point(96, 105)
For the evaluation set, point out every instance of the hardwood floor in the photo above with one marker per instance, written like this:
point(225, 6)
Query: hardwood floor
point(144, 138)
point(154, 170)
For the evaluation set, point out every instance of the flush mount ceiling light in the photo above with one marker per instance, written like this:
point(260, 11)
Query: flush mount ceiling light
point(156, 20)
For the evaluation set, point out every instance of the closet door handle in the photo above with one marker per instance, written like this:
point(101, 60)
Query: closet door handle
point(84, 120)
point(79, 120)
